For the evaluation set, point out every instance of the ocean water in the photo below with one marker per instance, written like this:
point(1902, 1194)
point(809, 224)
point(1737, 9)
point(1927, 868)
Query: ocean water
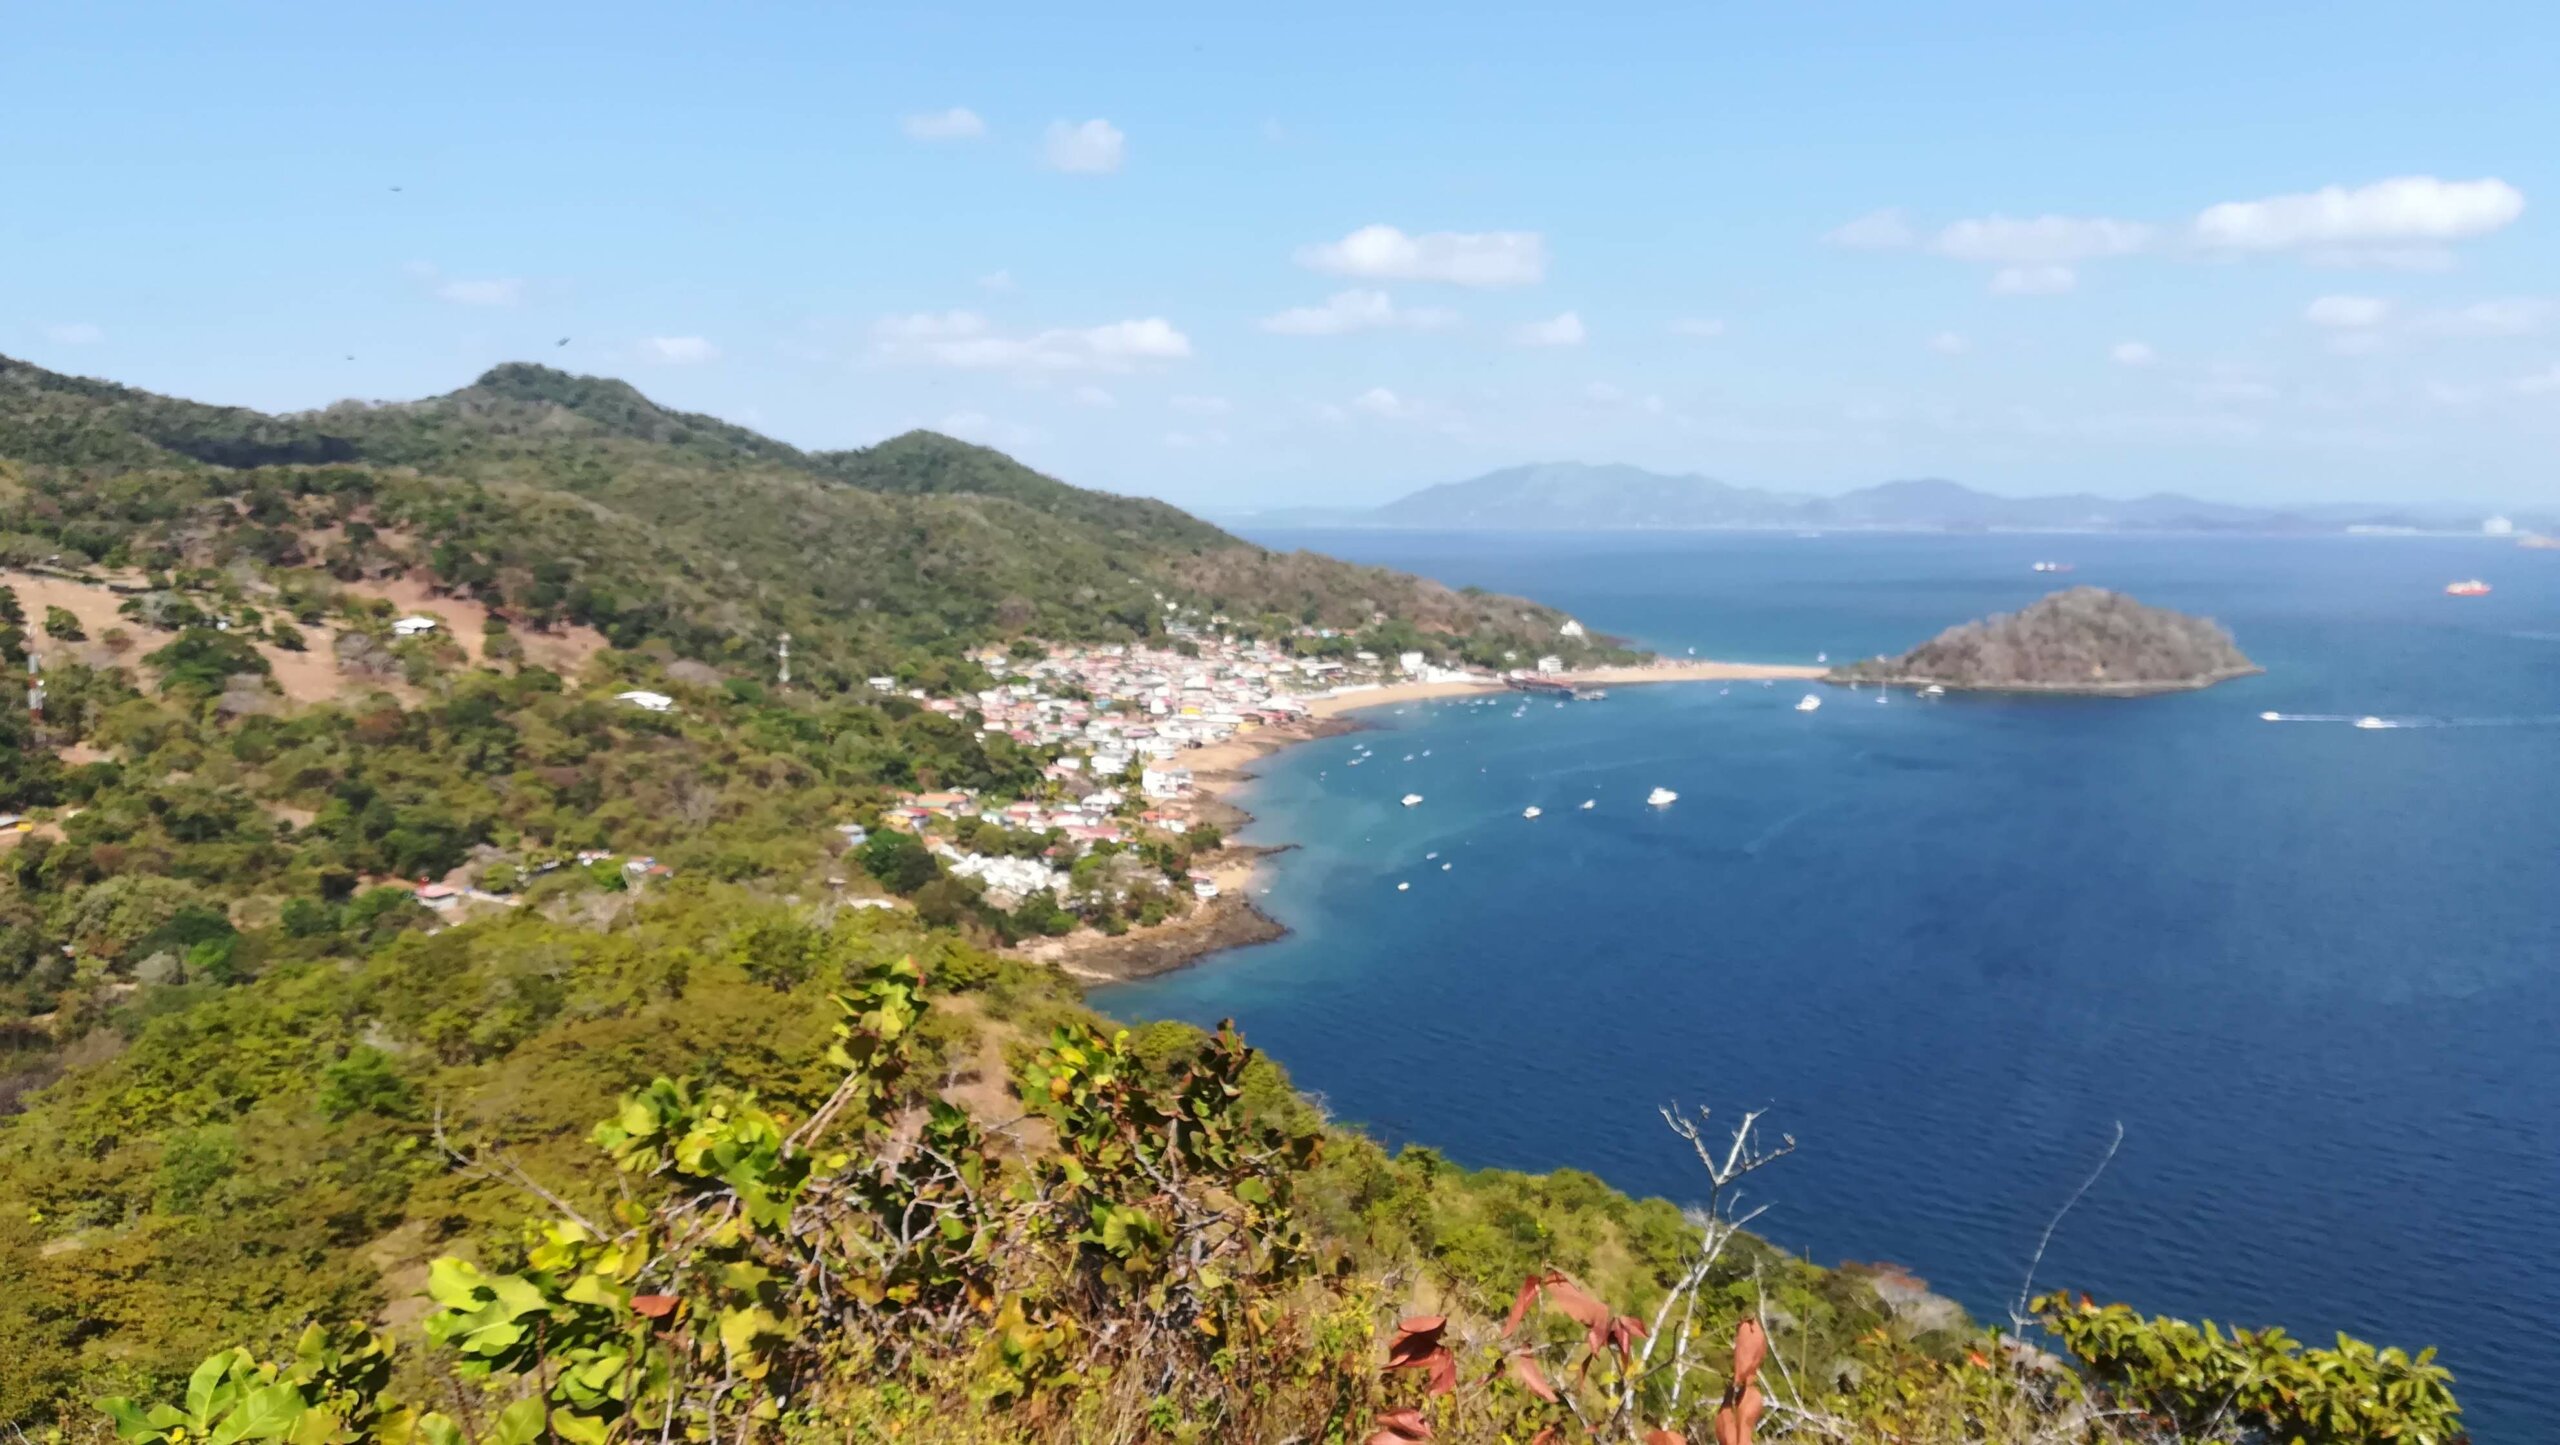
point(2312, 969)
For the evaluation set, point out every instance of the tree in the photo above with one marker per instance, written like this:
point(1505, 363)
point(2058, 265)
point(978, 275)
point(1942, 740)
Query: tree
point(900, 861)
point(62, 626)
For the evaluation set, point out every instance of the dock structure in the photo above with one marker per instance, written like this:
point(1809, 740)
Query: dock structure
point(1552, 687)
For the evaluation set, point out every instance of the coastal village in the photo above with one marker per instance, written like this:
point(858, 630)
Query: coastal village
point(1124, 726)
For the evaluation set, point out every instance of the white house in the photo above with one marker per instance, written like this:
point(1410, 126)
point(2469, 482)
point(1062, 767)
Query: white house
point(1163, 783)
point(647, 701)
point(1550, 664)
point(413, 626)
point(1409, 662)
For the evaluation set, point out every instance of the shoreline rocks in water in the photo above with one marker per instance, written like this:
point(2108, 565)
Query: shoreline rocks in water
point(2085, 640)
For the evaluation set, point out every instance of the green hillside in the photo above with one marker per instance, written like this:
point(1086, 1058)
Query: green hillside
point(567, 499)
point(697, 1121)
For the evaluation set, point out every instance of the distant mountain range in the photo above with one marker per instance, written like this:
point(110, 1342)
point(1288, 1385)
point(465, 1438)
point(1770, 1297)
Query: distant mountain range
point(1574, 496)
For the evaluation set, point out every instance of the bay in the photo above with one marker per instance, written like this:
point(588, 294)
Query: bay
point(2312, 969)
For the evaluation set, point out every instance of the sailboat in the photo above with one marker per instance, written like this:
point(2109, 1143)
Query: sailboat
point(1662, 797)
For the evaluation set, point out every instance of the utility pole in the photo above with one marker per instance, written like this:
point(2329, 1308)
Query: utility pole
point(784, 653)
point(35, 697)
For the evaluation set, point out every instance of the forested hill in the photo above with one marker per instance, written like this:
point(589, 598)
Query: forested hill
point(576, 500)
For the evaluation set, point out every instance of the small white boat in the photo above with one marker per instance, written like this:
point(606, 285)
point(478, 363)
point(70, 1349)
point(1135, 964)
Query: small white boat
point(1531, 811)
point(1412, 798)
point(1444, 867)
point(1808, 703)
point(1822, 657)
point(2371, 722)
point(1408, 757)
point(1933, 690)
point(1589, 803)
point(1427, 857)
point(1662, 797)
point(1402, 887)
point(2271, 717)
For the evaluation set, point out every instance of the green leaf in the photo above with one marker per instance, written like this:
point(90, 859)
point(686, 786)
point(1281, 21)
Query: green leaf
point(204, 1387)
point(578, 1429)
point(519, 1424)
point(267, 1414)
point(130, 1422)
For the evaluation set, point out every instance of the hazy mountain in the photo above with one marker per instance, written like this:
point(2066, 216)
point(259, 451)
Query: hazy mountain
point(1573, 496)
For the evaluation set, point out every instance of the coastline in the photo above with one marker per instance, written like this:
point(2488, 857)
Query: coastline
point(1220, 770)
point(2142, 688)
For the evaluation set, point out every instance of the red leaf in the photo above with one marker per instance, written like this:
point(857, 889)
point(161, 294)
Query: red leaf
point(1750, 1347)
point(1527, 1296)
point(1398, 1425)
point(1738, 1416)
point(1531, 1378)
point(1416, 1341)
point(1444, 1374)
point(1567, 1296)
point(655, 1306)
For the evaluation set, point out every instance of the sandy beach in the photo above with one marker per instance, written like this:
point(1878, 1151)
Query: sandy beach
point(1217, 771)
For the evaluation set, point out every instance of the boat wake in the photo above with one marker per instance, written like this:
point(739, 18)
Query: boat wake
point(2371, 723)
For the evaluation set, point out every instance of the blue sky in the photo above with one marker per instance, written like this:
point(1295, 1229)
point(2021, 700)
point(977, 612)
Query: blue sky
point(1330, 253)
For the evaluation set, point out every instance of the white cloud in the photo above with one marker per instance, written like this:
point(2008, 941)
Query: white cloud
point(1698, 326)
point(505, 291)
point(678, 350)
point(1462, 258)
point(1378, 401)
point(957, 123)
point(2541, 383)
point(2403, 209)
point(76, 333)
point(1885, 230)
point(1563, 330)
point(1347, 311)
point(2382, 258)
point(930, 326)
point(1950, 343)
point(2347, 313)
point(2033, 280)
point(2042, 240)
point(997, 282)
point(1094, 396)
point(1202, 405)
point(967, 341)
point(2132, 353)
point(2505, 316)
point(1094, 148)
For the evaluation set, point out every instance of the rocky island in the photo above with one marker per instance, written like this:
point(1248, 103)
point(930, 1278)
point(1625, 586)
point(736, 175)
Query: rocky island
point(2085, 640)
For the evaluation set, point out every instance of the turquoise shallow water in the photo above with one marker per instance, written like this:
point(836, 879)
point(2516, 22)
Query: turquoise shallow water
point(2314, 970)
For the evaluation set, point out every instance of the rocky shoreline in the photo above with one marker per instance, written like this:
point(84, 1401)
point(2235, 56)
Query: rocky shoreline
point(2143, 688)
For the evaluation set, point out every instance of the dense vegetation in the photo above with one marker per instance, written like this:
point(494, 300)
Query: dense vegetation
point(287, 1154)
point(2086, 639)
point(565, 499)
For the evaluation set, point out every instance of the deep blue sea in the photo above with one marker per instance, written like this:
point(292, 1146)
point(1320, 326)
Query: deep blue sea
point(2313, 970)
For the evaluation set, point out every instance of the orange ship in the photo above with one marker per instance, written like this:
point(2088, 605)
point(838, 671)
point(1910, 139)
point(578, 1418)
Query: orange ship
point(2473, 588)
